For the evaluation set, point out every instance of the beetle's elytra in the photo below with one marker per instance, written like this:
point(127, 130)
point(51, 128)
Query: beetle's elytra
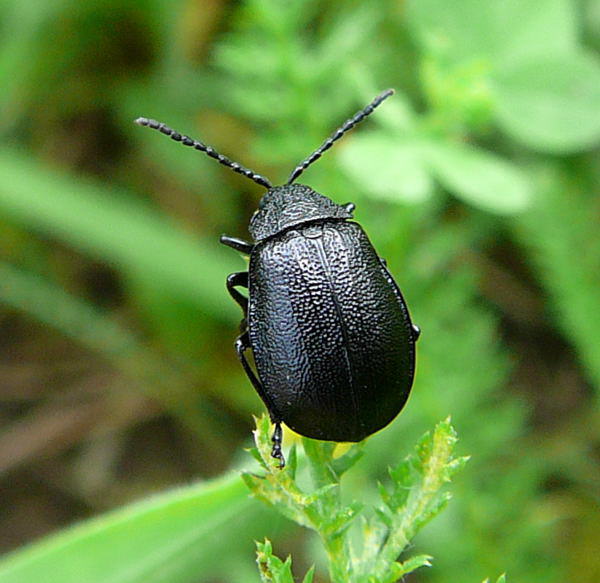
point(331, 335)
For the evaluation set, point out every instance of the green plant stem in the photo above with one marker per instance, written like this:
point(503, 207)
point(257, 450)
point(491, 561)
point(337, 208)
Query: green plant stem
point(338, 557)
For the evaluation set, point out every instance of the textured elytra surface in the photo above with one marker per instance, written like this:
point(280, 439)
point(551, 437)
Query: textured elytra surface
point(330, 332)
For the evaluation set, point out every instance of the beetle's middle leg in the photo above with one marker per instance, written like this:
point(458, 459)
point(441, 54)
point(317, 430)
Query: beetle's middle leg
point(241, 345)
point(238, 279)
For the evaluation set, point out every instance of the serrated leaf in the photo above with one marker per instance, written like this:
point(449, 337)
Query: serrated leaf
point(551, 103)
point(320, 459)
point(387, 167)
point(253, 451)
point(272, 497)
point(374, 531)
point(423, 449)
point(401, 474)
point(456, 465)
point(343, 519)
point(324, 502)
point(262, 439)
point(288, 503)
point(344, 462)
point(253, 482)
point(325, 492)
point(272, 569)
point(392, 575)
point(403, 479)
point(318, 451)
point(433, 509)
point(414, 563)
point(480, 178)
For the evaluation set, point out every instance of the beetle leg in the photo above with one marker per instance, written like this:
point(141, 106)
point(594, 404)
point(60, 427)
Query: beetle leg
point(239, 278)
point(237, 244)
point(241, 345)
point(416, 332)
point(349, 206)
point(277, 439)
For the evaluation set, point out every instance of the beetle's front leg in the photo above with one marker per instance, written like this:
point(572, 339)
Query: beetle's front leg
point(237, 244)
point(241, 345)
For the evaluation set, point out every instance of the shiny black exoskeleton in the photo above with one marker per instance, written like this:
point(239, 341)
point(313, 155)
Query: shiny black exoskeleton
point(332, 339)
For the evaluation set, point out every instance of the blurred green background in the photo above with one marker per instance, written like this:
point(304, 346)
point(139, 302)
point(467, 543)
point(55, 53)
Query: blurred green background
point(478, 181)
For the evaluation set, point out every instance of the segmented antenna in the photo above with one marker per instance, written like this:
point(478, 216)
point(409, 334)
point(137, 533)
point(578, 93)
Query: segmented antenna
point(348, 125)
point(187, 141)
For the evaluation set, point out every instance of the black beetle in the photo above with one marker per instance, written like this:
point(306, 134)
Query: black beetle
point(332, 339)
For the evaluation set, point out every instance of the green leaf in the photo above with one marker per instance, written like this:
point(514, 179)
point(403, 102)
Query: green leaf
point(345, 461)
point(308, 578)
point(501, 31)
point(552, 103)
point(272, 568)
point(432, 509)
point(166, 538)
point(292, 461)
point(413, 564)
point(341, 521)
point(432, 456)
point(403, 480)
point(384, 517)
point(457, 465)
point(480, 178)
point(112, 226)
point(320, 455)
point(388, 168)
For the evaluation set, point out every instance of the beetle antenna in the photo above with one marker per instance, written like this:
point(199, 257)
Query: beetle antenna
point(187, 141)
point(347, 125)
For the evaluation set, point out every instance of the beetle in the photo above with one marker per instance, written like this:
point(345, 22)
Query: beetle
point(331, 335)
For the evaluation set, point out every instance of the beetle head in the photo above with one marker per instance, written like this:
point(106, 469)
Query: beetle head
point(290, 205)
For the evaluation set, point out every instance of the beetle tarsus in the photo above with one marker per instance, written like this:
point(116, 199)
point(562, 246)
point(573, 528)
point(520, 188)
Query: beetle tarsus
point(276, 452)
